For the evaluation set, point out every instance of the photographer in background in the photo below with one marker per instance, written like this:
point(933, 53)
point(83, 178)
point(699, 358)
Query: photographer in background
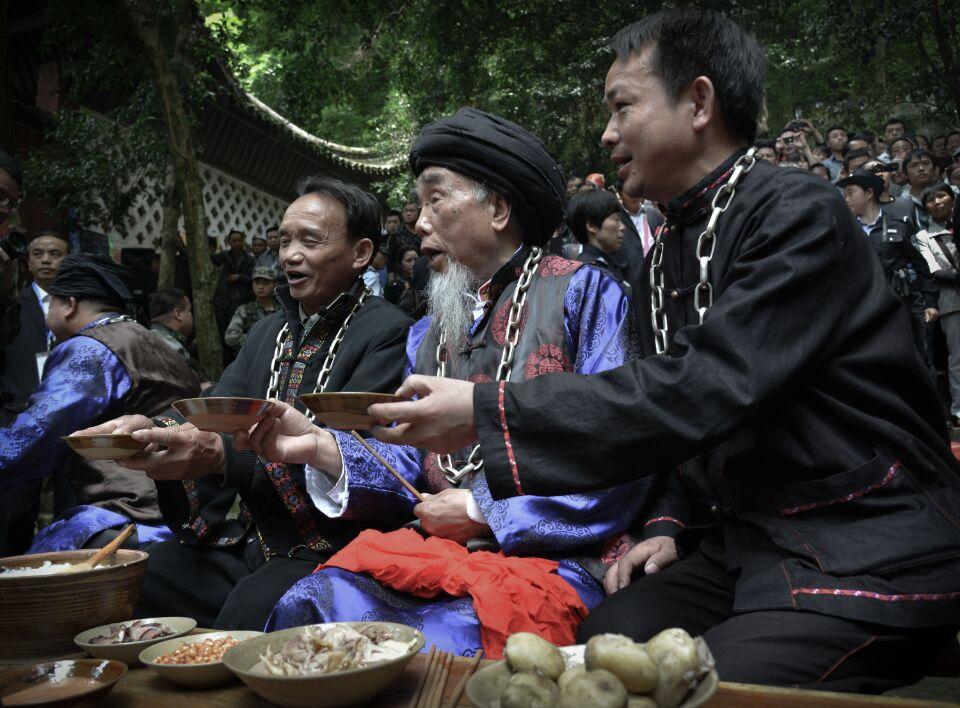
point(12, 245)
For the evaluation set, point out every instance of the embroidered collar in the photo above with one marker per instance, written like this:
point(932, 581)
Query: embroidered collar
point(491, 290)
point(689, 205)
point(300, 321)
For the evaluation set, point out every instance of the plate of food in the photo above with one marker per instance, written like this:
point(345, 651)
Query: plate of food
point(113, 446)
point(336, 664)
point(123, 641)
point(84, 681)
point(222, 415)
point(195, 661)
point(346, 411)
point(672, 670)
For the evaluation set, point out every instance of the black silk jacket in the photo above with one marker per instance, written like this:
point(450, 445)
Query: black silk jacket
point(798, 418)
point(286, 522)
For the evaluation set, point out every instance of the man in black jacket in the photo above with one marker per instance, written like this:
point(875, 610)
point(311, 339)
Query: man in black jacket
point(781, 384)
point(228, 570)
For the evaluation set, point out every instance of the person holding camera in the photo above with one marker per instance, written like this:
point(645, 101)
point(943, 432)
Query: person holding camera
point(905, 268)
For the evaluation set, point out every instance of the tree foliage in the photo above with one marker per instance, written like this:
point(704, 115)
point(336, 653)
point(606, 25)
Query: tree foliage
point(373, 72)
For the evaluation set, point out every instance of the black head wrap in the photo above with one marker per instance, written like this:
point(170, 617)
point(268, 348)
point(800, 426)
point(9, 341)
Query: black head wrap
point(91, 278)
point(508, 159)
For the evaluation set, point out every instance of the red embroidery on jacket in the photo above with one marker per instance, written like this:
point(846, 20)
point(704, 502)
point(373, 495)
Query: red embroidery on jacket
point(867, 594)
point(498, 326)
point(547, 359)
point(849, 497)
point(555, 265)
point(665, 518)
point(506, 438)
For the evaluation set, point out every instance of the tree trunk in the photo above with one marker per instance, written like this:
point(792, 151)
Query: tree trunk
point(943, 32)
point(168, 234)
point(176, 119)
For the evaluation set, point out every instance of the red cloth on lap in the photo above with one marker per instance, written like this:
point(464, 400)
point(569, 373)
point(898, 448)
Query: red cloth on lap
point(510, 594)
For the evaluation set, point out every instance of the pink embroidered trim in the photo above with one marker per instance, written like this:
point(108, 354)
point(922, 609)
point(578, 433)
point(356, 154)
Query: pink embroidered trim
point(906, 597)
point(665, 518)
point(849, 497)
point(506, 438)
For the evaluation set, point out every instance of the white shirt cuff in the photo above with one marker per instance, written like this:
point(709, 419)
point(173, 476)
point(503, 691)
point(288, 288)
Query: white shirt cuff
point(474, 512)
point(329, 498)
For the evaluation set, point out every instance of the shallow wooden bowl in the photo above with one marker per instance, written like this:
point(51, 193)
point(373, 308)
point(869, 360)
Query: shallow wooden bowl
point(340, 688)
point(115, 446)
point(222, 415)
point(61, 683)
point(129, 652)
point(40, 615)
point(346, 411)
point(213, 673)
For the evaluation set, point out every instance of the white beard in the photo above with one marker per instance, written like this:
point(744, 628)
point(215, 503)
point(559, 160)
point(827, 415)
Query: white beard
point(449, 304)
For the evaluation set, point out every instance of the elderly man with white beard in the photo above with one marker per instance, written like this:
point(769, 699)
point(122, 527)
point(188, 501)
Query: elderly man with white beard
point(500, 310)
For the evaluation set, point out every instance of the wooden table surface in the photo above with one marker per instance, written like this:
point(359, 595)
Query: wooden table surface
point(141, 687)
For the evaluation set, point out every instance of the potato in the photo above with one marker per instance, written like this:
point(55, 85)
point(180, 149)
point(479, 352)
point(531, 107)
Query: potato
point(529, 689)
point(678, 661)
point(625, 659)
point(528, 652)
point(598, 689)
point(569, 674)
point(641, 702)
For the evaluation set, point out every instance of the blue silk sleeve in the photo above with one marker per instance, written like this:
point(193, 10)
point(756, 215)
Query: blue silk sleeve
point(82, 381)
point(596, 321)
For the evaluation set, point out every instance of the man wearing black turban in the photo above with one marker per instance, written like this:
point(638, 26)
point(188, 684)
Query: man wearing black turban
point(104, 364)
point(499, 309)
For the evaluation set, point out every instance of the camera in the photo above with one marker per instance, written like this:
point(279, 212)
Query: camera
point(14, 244)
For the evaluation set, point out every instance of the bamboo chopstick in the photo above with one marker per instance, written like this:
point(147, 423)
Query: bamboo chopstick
point(409, 487)
point(467, 673)
point(431, 656)
point(435, 695)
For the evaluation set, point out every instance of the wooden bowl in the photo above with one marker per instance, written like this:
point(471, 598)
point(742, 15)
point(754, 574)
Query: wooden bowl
point(61, 683)
point(340, 688)
point(115, 446)
point(40, 615)
point(222, 415)
point(129, 652)
point(213, 673)
point(346, 411)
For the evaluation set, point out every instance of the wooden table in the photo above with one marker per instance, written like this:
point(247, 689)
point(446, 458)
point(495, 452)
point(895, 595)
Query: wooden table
point(142, 688)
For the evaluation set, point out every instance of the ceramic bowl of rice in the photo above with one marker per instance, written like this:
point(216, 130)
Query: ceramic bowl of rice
point(336, 664)
point(43, 606)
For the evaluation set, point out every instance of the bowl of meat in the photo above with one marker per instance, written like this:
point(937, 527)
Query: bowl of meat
point(335, 664)
point(125, 640)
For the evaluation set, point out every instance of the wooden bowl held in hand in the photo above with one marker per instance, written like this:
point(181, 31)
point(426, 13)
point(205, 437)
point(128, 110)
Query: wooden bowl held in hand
point(114, 446)
point(346, 411)
point(61, 683)
point(41, 614)
point(222, 415)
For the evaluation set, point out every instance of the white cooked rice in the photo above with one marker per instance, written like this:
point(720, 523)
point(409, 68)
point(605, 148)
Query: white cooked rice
point(47, 568)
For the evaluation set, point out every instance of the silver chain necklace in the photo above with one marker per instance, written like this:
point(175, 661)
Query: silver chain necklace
point(273, 388)
point(474, 460)
point(706, 244)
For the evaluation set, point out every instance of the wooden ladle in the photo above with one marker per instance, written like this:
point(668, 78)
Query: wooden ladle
point(104, 553)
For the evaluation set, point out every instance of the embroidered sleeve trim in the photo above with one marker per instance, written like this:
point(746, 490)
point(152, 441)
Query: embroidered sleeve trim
point(506, 438)
point(849, 497)
point(881, 597)
point(670, 519)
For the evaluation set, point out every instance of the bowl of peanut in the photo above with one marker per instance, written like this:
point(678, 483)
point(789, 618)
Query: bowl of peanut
point(196, 660)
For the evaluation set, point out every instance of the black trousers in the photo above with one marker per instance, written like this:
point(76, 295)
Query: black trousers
point(228, 588)
point(771, 647)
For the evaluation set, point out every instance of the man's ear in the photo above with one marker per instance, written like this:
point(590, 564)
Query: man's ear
point(501, 212)
point(703, 97)
point(362, 253)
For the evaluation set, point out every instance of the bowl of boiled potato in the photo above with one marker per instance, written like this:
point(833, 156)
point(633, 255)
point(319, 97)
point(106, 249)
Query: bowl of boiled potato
point(672, 670)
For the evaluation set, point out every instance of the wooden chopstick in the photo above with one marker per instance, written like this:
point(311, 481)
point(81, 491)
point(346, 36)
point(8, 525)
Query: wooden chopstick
point(111, 547)
point(409, 487)
point(461, 686)
point(415, 700)
point(433, 691)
